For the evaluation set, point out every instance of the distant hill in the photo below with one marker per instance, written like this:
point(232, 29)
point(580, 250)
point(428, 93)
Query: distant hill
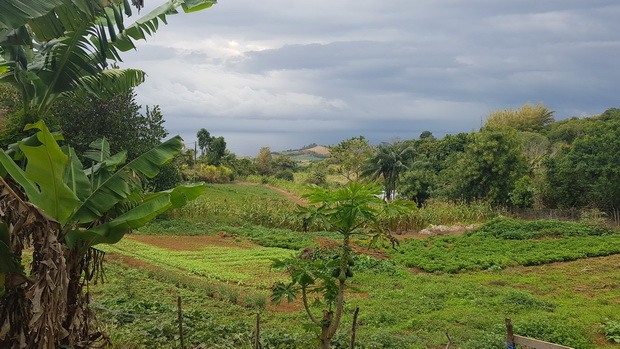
point(315, 153)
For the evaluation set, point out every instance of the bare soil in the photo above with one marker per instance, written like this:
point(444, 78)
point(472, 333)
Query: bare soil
point(193, 243)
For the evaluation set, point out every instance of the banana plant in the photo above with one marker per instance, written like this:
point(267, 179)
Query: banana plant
point(87, 202)
point(51, 49)
point(63, 209)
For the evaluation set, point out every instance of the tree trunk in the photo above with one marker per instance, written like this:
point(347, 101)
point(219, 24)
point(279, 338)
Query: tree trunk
point(326, 335)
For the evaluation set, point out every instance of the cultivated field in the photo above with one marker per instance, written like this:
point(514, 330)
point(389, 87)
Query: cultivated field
point(557, 282)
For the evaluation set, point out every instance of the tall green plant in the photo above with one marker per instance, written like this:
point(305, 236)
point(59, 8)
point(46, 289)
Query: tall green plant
point(62, 210)
point(352, 210)
point(389, 161)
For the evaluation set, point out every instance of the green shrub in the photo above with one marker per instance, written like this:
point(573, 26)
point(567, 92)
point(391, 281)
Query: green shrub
point(526, 300)
point(611, 329)
point(287, 175)
point(207, 173)
point(555, 331)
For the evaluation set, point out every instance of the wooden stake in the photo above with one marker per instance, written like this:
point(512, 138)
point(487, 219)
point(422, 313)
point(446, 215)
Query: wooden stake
point(449, 341)
point(354, 327)
point(257, 334)
point(510, 336)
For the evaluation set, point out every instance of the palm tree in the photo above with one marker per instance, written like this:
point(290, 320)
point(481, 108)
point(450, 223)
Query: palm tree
point(389, 160)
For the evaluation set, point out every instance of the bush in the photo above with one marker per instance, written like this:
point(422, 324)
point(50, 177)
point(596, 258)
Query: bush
point(611, 329)
point(169, 177)
point(286, 175)
point(208, 174)
point(523, 193)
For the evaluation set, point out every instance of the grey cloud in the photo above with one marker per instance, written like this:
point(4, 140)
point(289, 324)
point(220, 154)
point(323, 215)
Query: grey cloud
point(295, 73)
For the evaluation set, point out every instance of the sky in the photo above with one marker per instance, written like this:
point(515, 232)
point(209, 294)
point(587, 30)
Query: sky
point(287, 73)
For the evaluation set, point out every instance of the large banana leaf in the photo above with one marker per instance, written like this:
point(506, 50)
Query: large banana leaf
point(110, 82)
point(118, 186)
point(148, 24)
point(180, 195)
point(46, 167)
point(14, 14)
point(75, 178)
point(10, 167)
point(111, 232)
point(43, 181)
point(67, 45)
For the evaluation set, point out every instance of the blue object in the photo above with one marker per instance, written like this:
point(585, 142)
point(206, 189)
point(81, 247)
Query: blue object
point(508, 346)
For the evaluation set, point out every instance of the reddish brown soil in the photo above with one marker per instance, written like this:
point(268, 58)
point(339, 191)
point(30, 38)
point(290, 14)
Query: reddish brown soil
point(191, 243)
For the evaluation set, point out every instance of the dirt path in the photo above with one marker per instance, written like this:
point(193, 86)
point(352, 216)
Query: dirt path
point(284, 193)
point(192, 243)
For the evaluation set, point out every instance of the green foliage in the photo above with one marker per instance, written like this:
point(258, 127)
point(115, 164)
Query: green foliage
point(349, 156)
point(513, 229)
point(207, 173)
point(204, 140)
point(441, 213)
point(237, 265)
point(351, 210)
point(169, 176)
point(523, 193)
point(243, 204)
point(286, 175)
point(404, 310)
point(506, 242)
point(57, 183)
point(388, 162)
point(264, 162)
point(64, 47)
point(488, 168)
point(586, 174)
point(611, 329)
point(527, 118)
point(283, 163)
point(552, 331)
point(362, 259)
point(83, 119)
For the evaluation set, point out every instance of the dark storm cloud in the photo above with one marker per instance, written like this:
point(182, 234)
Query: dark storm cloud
point(326, 70)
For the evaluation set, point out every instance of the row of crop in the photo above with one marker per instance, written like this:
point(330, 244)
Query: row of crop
point(513, 229)
point(237, 265)
point(460, 253)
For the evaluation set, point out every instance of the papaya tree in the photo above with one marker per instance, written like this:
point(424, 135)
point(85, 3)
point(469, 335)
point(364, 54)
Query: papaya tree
point(51, 204)
point(352, 211)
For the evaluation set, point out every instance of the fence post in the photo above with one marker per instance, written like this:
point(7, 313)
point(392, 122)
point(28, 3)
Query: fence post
point(354, 327)
point(510, 336)
point(257, 334)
